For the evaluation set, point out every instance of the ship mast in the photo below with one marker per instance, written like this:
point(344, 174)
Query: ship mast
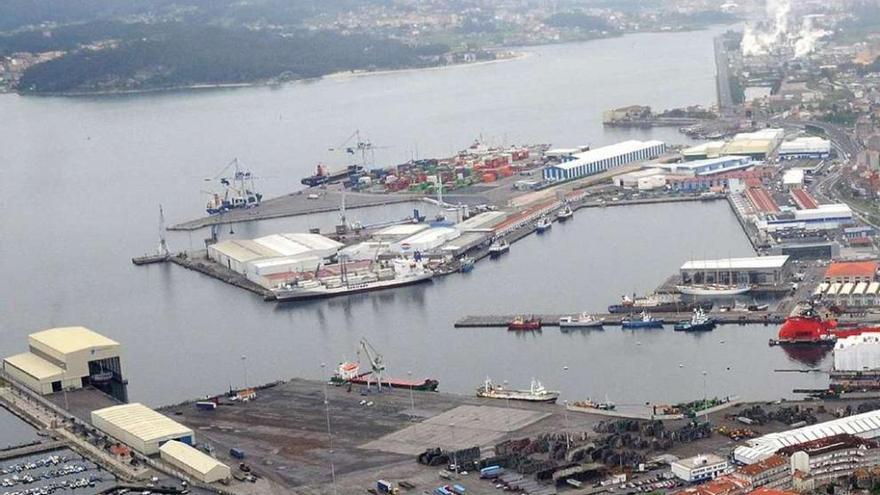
point(163, 245)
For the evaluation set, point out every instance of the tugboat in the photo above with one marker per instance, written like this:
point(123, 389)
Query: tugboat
point(565, 213)
point(583, 320)
point(699, 322)
point(543, 225)
point(499, 247)
point(523, 323)
point(643, 321)
point(535, 393)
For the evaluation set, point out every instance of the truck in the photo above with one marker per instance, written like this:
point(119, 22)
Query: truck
point(458, 490)
point(385, 487)
point(491, 472)
point(206, 405)
point(236, 453)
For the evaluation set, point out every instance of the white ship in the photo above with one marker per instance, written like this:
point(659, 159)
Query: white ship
point(499, 247)
point(583, 320)
point(402, 272)
point(565, 213)
point(535, 393)
point(713, 290)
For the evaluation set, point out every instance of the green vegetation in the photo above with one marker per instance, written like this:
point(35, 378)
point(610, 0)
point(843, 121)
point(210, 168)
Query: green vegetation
point(578, 20)
point(175, 55)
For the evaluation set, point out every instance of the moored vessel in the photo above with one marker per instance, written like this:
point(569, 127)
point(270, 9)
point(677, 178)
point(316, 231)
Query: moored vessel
point(402, 272)
point(524, 323)
point(660, 303)
point(565, 213)
point(535, 393)
point(644, 320)
point(699, 322)
point(583, 320)
point(499, 247)
point(811, 329)
point(466, 264)
point(709, 290)
point(543, 225)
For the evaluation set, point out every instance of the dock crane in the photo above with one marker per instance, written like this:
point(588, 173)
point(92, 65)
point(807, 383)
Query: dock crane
point(377, 363)
point(354, 145)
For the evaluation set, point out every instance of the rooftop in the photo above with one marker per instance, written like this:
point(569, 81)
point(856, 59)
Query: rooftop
point(770, 491)
point(192, 457)
point(723, 485)
point(829, 444)
point(700, 460)
point(142, 422)
point(757, 468)
point(751, 263)
point(68, 340)
point(35, 366)
point(610, 151)
point(852, 269)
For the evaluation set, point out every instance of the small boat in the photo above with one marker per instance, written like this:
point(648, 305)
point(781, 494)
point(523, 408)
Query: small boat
point(589, 404)
point(758, 307)
point(699, 322)
point(543, 225)
point(713, 290)
point(535, 393)
point(523, 323)
point(499, 247)
point(583, 320)
point(565, 213)
point(643, 321)
point(466, 264)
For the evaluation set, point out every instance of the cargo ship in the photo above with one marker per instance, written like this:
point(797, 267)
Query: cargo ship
point(810, 329)
point(523, 323)
point(402, 272)
point(423, 385)
point(324, 176)
point(535, 393)
point(658, 303)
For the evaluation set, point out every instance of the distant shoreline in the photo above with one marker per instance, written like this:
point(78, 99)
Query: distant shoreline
point(342, 75)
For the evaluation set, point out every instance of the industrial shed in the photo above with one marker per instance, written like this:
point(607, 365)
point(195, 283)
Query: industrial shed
point(865, 425)
point(234, 254)
point(68, 358)
point(193, 462)
point(398, 232)
point(757, 270)
point(425, 240)
point(140, 427)
point(298, 244)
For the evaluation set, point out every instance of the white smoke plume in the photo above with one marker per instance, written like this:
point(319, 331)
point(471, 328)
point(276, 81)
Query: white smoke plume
point(776, 32)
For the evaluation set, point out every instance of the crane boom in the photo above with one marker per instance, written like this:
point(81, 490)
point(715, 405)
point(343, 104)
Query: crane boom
point(377, 364)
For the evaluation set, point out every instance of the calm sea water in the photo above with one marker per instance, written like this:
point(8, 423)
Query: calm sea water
point(14, 431)
point(82, 179)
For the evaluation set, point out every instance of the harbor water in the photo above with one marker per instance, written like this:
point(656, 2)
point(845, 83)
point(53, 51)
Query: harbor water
point(83, 178)
point(14, 431)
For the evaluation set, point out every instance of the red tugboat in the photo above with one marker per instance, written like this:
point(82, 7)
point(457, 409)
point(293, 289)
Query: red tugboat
point(523, 323)
point(809, 328)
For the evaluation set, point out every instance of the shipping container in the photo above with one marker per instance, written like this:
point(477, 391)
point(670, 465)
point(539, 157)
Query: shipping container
point(206, 405)
point(236, 453)
point(384, 486)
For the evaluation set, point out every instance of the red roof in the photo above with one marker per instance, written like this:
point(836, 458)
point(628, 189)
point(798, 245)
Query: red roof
point(803, 199)
point(770, 491)
point(852, 269)
point(762, 200)
point(722, 485)
point(757, 468)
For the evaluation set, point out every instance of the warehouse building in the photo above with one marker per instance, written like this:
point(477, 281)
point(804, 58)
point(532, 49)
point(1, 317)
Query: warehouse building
point(395, 233)
point(140, 427)
point(857, 353)
point(699, 468)
point(823, 217)
point(793, 177)
point(631, 180)
point(273, 254)
point(758, 270)
point(234, 254)
point(712, 149)
point(758, 144)
point(865, 425)
point(709, 166)
point(807, 147)
point(299, 244)
point(851, 271)
point(604, 158)
point(69, 358)
point(193, 462)
point(426, 240)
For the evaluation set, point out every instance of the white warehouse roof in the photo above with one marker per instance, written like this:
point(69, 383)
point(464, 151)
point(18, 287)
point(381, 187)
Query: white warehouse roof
point(141, 422)
point(610, 151)
point(866, 425)
point(196, 463)
point(292, 244)
point(805, 144)
point(752, 263)
point(67, 340)
point(35, 366)
point(793, 177)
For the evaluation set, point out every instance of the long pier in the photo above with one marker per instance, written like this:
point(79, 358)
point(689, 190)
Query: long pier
point(616, 319)
point(32, 449)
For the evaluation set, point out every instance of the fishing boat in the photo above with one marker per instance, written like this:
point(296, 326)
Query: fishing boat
point(564, 213)
point(643, 321)
point(466, 264)
point(583, 320)
point(588, 403)
point(710, 290)
point(499, 247)
point(535, 393)
point(543, 225)
point(699, 322)
point(524, 323)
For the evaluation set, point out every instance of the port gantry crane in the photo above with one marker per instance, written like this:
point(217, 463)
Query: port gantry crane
point(377, 364)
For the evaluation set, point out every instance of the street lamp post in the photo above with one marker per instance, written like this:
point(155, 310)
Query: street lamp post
point(244, 367)
point(329, 433)
point(507, 406)
point(412, 401)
